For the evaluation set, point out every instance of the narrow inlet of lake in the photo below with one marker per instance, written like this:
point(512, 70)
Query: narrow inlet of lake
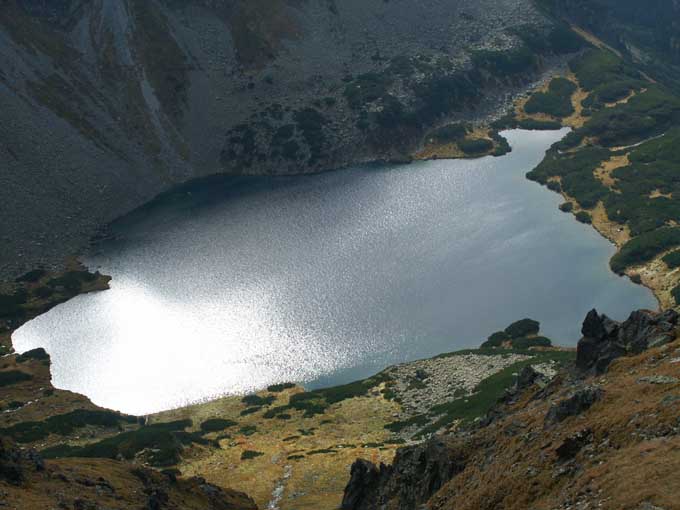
point(234, 284)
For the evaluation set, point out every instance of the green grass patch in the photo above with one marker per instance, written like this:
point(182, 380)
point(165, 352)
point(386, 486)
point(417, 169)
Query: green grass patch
point(317, 401)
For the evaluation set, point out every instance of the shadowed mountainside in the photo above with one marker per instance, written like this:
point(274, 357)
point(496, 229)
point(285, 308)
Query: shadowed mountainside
point(106, 104)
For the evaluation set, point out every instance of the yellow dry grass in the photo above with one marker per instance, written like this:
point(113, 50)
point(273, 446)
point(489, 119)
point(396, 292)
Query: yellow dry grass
point(309, 457)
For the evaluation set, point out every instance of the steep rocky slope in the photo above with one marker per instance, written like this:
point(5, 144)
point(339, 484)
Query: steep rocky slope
point(647, 32)
point(603, 434)
point(104, 104)
point(28, 482)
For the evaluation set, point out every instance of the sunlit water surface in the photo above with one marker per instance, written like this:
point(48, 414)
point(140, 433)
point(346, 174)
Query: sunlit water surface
point(237, 284)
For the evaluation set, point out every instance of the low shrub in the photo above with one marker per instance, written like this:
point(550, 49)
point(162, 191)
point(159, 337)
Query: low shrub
point(676, 294)
point(9, 377)
point(528, 342)
point(65, 424)
point(164, 441)
point(472, 146)
point(672, 260)
point(38, 354)
point(217, 425)
point(645, 247)
point(567, 207)
point(278, 388)
point(522, 328)
point(255, 400)
point(496, 340)
point(584, 217)
point(450, 133)
point(250, 454)
point(32, 276)
point(539, 125)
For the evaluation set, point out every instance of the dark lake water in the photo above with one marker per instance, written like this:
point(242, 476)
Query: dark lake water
point(232, 285)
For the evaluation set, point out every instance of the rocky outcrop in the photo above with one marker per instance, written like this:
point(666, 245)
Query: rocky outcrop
point(580, 401)
point(417, 473)
point(604, 340)
point(563, 444)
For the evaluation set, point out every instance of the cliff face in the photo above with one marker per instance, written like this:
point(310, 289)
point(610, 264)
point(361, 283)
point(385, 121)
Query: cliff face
point(580, 441)
point(104, 104)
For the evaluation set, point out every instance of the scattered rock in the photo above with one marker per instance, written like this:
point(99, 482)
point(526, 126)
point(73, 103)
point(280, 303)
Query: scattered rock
point(658, 379)
point(573, 444)
point(574, 405)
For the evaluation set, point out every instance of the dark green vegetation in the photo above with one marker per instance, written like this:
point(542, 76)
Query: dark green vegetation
point(672, 260)
point(65, 424)
point(450, 133)
point(521, 334)
point(644, 128)
point(9, 377)
point(523, 327)
point(473, 146)
point(556, 101)
point(216, 425)
point(676, 294)
point(576, 172)
point(584, 217)
point(255, 400)
point(645, 247)
point(36, 292)
point(163, 443)
point(250, 454)
point(278, 388)
point(529, 342)
point(567, 207)
point(38, 354)
point(635, 28)
point(317, 401)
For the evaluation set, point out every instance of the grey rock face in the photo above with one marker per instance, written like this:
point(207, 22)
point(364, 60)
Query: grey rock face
point(604, 340)
point(417, 473)
point(96, 120)
point(580, 401)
